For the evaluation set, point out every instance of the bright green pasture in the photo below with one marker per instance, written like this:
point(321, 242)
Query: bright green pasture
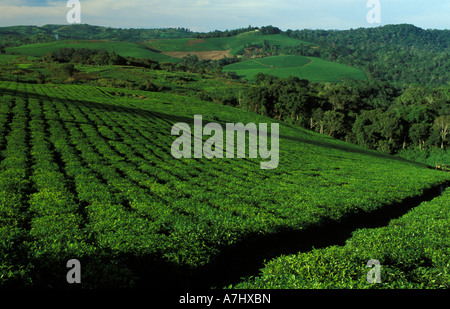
point(122, 48)
point(310, 68)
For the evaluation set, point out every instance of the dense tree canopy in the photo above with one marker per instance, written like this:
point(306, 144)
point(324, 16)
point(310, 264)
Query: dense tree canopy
point(395, 53)
point(404, 108)
point(376, 115)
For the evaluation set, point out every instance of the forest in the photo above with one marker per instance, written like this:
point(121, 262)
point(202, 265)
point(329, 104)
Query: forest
point(394, 53)
point(229, 33)
point(412, 120)
point(19, 35)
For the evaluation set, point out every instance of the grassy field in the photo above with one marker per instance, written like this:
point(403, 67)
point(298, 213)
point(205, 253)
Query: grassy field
point(310, 68)
point(87, 172)
point(7, 58)
point(171, 50)
point(122, 48)
point(234, 44)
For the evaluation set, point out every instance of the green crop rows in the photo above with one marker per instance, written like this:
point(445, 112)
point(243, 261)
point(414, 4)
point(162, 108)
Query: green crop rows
point(122, 48)
point(413, 252)
point(88, 174)
point(311, 68)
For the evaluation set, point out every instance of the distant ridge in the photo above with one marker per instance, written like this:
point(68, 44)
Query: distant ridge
point(401, 53)
point(34, 34)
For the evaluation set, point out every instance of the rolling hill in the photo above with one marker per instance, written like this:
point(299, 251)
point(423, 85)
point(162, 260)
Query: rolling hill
point(235, 44)
point(87, 172)
point(393, 53)
point(122, 48)
point(311, 68)
point(171, 50)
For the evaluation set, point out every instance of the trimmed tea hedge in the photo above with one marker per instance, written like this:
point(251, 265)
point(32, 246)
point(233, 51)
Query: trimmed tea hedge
point(87, 174)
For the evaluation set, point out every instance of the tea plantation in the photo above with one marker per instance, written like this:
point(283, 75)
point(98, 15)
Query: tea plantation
point(311, 68)
point(87, 173)
point(413, 252)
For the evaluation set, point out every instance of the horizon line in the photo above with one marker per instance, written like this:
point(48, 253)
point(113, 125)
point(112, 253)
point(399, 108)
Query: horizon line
point(228, 29)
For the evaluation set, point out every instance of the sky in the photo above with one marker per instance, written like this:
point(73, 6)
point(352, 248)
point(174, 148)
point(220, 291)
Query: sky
point(209, 15)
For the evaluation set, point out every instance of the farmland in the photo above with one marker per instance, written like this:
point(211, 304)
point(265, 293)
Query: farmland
point(235, 44)
point(87, 172)
point(412, 251)
point(123, 48)
point(158, 49)
point(87, 169)
point(171, 50)
point(310, 68)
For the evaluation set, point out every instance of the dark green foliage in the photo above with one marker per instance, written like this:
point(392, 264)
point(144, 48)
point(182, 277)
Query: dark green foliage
point(413, 252)
point(88, 174)
point(226, 33)
point(61, 72)
point(19, 35)
point(395, 53)
point(375, 115)
point(194, 65)
point(85, 56)
point(269, 30)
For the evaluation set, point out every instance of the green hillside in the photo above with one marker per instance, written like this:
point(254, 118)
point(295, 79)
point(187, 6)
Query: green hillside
point(412, 252)
point(399, 53)
point(310, 68)
point(122, 48)
point(87, 173)
point(235, 43)
point(19, 35)
point(161, 50)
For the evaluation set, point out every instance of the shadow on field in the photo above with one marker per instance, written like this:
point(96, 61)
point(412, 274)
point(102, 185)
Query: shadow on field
point(247, 258)
point(113, 269)
point(244, 259)
point(101, 106)
point(109, 269)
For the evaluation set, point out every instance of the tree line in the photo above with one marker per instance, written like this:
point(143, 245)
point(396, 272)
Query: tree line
point(394, 53)
point(20, 35)
point(377, 115)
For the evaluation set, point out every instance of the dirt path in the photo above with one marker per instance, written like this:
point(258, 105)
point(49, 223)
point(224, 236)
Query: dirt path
point(266, 65)
point(274, 67)
point(202, 55)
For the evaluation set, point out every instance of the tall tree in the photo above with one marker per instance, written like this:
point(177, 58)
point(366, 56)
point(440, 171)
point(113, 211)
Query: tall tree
point(442, 124)
point(419, 132)
point(334, 122)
